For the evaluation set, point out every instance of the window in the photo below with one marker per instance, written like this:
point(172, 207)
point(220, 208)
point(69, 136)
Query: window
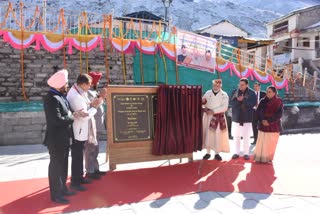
point(287, 43)
point(317, 46)
point(252, 57)
point(281, 27)
point(304, 42)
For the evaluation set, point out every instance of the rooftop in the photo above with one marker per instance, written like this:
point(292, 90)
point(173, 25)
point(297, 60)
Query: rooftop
point(216, 23)
point(295, 12)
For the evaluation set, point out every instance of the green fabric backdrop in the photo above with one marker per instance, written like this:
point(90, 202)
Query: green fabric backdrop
point(187, 76)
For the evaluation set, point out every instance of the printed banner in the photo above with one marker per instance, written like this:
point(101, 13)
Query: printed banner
point(196, 51)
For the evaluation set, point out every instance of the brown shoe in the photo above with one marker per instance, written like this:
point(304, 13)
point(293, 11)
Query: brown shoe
point(85, 181)
point(68, 192)
point(60, 200)
point(77, 187)
point(101, 173)
point(93, 176)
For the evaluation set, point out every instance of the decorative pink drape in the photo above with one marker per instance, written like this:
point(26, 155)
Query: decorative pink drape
point(179, 120)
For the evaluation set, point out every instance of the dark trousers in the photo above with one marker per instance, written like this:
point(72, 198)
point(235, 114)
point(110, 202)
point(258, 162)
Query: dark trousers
point(91, 152)
point(58, 170)
point(255, 127)
point(77, 162)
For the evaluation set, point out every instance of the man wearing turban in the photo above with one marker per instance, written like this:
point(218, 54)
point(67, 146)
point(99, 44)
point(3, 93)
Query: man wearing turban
point(58, 134)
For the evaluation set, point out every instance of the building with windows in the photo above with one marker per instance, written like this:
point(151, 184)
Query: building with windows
point(254, 49)
point(297, 39)
point(224, 31)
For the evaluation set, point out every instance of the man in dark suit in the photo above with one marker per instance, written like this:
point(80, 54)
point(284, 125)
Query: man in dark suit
point(260, 94)
point(58, 134)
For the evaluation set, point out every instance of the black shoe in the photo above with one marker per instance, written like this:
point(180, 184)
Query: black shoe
point(235, 156)
point(68, 193)
point(77, 187)
point(60, 200)
point(206, 157)
point(101, 173)
point(93, 176)
point(246, 157)
point(218, 157)
point(85, 181)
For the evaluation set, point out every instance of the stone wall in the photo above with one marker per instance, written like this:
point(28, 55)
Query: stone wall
point(39, 65)
point(22, 128)
point(298, 93)
point(29, 127)
point(301, 119)
point(308, 18)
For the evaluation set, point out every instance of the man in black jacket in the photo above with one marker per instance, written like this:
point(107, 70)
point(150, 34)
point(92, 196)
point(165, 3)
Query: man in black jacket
point(58, 134)
point(260, 94)
point(242, 101)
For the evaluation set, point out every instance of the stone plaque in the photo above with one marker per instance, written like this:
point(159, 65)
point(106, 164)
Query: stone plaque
point(132, 117)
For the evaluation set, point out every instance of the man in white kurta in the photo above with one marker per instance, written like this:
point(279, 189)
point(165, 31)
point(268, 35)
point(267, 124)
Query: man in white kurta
point(215, 132)
point(242, 101)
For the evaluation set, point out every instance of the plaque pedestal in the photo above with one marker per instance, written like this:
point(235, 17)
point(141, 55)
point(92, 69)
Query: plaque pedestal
point(131, 114)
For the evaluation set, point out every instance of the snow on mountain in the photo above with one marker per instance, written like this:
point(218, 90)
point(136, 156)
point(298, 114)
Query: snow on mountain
point(251, 15)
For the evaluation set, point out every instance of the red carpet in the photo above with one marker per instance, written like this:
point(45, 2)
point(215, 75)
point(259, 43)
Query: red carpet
point(291, 173)
point(118, 187)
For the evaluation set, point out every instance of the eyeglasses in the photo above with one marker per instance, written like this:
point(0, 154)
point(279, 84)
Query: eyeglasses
point(217, 81)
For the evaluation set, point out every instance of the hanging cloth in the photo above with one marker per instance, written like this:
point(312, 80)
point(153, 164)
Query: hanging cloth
point(179, 120)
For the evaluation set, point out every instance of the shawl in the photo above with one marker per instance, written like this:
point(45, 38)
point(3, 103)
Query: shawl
point(218, 119)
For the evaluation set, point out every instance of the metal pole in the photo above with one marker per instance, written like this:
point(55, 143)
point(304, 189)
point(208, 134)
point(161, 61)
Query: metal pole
point(304, 76)
point(166, 14)
point(165, 19)
point(315, 78)
point(45, 15)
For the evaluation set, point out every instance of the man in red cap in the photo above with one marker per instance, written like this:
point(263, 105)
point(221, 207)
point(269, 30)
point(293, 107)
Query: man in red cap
point(96, 76)
point(96, 126)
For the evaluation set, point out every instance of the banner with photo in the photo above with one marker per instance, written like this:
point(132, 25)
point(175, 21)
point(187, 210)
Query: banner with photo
point(196, 51)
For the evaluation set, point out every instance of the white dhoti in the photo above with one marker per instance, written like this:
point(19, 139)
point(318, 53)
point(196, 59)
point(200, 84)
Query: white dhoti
point(217, 140)
point(245, 132)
